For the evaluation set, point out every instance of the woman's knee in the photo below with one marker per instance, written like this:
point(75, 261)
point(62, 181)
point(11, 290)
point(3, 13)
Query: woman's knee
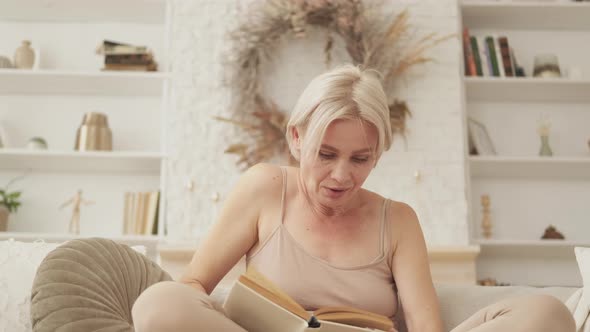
point(162, 306)
point(550, 310)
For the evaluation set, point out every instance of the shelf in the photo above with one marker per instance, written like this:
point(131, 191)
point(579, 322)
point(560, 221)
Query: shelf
point(530, 167)
point(61, 237)
point(527, 89)
point(536, 15)
point(531, 243)
point(26, 82)
point(543, 249)
point(150, 242)
point(130, 11)
point(96, 161)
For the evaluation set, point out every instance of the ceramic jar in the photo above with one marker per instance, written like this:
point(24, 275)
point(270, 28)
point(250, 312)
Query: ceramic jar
point(24, 56)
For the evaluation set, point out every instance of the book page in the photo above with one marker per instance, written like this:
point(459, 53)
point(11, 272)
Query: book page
point(336, 327)
point(259, 283)
point(354, 316)
point(256, 313)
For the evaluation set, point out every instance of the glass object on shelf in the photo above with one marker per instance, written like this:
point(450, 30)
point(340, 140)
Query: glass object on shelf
point(546, 65)
point(94, 133)
point(543, 130)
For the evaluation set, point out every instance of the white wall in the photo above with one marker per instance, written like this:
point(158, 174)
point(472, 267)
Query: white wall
point(195, 142)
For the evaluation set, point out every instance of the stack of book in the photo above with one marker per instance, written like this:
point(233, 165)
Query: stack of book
point(119, 56)
point(140, 213)
point(489, 55)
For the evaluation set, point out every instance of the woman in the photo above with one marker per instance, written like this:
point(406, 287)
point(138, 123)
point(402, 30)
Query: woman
point(321, 237)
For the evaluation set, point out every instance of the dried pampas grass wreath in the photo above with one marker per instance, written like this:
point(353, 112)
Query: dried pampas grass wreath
point(372, 40)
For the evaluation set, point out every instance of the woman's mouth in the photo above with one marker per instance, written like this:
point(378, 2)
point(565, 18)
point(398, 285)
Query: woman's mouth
point(335, 192)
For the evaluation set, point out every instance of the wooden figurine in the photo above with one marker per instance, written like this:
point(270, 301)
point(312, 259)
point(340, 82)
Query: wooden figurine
point(76, 202)
point(486, 222)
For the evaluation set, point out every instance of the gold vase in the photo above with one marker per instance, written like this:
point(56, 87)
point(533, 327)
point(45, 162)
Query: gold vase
point(94, 133)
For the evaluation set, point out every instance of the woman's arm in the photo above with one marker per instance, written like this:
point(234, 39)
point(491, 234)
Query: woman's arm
point(411, 270)
point(236, 230)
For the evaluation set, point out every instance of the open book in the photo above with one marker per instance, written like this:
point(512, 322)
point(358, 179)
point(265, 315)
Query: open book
point(258, 305)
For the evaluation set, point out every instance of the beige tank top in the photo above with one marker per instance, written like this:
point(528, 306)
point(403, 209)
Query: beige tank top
point(315, 283)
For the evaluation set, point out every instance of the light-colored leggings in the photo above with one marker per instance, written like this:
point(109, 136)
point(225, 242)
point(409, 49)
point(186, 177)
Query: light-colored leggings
point(173, 306)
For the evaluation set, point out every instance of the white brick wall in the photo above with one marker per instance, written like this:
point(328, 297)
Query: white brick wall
point(434, 145)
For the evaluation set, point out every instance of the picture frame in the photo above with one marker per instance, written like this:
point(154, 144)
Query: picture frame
point(480, 142)
point(2, 137)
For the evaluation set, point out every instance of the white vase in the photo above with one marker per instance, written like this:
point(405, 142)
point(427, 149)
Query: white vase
point(25, 57)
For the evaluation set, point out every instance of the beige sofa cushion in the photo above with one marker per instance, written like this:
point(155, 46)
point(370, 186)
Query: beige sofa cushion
point(460, 302)
point(90, 285)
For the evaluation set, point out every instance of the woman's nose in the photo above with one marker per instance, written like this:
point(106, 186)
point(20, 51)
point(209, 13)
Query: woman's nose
point(341, 172)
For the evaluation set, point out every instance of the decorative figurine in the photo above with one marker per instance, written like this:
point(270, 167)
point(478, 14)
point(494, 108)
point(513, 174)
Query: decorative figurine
point(75, 201)
point(486, 221)
point(552, 233)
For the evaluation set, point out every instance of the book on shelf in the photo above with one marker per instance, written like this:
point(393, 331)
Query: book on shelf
point(476, 56)
point(120, 56)
point(131, 67)
point(109, 47)
point(140, 213)
point(470, 68)
point(258, 305)
point(491, 47)
point(505, 55)
point(129, 59)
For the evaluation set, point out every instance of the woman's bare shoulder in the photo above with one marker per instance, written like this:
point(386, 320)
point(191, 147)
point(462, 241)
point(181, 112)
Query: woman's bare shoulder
point(403, 223)
point(262, 179)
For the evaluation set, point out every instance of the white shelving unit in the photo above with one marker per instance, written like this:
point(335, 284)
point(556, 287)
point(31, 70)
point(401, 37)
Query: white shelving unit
point(529, 192)
point(50, 101)
point(91, 161)
point(129, 11)
point(537, 15)
point(35, 82)
point(527, 89)
point(530, 167)
point(150, 242)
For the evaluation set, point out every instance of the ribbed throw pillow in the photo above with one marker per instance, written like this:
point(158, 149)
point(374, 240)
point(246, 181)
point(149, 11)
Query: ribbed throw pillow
point(90, 285)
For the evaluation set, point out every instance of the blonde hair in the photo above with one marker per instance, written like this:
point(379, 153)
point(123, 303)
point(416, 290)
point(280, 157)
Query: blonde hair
point(346, 92)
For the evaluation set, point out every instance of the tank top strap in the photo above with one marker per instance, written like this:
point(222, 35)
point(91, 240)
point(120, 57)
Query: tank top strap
point(284, 194)
point(384, 228)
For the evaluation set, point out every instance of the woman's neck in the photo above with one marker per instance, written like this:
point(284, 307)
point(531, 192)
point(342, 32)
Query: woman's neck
point(326, 213)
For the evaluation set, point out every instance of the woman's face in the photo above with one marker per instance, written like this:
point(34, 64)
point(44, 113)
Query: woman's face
point(345, 159)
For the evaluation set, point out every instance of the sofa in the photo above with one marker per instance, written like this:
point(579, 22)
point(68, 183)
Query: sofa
point(24, 269)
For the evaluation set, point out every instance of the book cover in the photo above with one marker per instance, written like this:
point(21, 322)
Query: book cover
point(129, 59)
point(499, 56)
point(112, 47)
point(492, 54)
point(470, 69)
point(476, 56)
point(506, 57)
point(486, 65)
point(256, 304)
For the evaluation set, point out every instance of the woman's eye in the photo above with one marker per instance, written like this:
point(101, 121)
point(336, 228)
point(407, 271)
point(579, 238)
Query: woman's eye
point(360, 160)
point(324, 155)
